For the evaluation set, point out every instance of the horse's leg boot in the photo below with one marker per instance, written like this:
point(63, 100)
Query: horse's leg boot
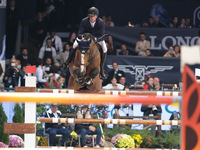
point(103, 74)
point(89, 81)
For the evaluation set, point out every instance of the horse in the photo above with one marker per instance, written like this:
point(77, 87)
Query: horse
point(85, 67)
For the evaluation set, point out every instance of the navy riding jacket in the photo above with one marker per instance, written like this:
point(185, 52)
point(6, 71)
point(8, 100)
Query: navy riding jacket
point(97, 31)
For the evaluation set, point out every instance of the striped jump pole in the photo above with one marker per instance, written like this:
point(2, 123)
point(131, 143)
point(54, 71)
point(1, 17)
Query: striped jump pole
point(91, 148)
point(109, 121)
point(64, 98)
point(111, 92)
point(83, 148)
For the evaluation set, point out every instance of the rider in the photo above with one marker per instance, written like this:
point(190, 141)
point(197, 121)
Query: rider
point(94, 25)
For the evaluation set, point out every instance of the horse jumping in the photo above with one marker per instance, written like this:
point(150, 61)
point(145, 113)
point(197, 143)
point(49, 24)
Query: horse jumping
point(85, 67)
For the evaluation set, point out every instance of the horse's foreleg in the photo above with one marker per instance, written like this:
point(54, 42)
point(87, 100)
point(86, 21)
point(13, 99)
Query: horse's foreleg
point(72, 84)
point(81, 80)
point(89, 80)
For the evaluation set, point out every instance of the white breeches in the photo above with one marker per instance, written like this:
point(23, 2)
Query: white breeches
point(103, 46)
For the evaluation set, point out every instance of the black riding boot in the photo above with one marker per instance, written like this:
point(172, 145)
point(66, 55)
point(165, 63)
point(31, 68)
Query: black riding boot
point(103, 74)
point(69, 59)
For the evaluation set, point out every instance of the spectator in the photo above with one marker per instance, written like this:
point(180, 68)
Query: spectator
point(12, 21)
point(1, 77)
point(182, 24)
point(47, 51)
point(149, 84)
point(40, 74)
point(151, 110)
point(23, 76)
point(39, 30)
point(148, 52)
point(113, 85)
point(187, 23)
point(12, 74)
point(122, 81)
point(115, 72)
point(47, 65)
point(62, 57)
point(54, 83)
point(142, 45)
point(175, 116)
point(56, 41)
point(169, 52)
point(72, 38)
point(24, 57)
point(150, 21)
point(173, 51)
point(109, 22)
point(174, 23)
point(123, 51)
point(47, 7)
point(110, 46)
point(156, 83)
point(176, 51)
point(104, 19)
point(55, 128)
point(156, 22)
point(86, 128)
point(149, 24)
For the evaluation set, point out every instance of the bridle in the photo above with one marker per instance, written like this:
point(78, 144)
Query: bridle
point(83, 50)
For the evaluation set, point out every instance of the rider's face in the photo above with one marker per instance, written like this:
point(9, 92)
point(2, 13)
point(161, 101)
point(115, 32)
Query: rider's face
point(92, 18)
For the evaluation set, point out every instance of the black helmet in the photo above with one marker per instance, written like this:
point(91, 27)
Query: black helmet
point(93, 11)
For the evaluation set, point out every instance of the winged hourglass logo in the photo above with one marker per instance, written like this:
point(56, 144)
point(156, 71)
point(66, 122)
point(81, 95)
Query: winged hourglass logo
point(141, 70)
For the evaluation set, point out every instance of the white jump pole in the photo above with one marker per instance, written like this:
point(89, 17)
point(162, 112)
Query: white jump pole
point(30, 115)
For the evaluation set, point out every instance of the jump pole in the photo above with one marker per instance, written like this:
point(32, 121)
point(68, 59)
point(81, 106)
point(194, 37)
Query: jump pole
point(109, 121)
point(82, 148)
point(114, 92)
point(64, 98)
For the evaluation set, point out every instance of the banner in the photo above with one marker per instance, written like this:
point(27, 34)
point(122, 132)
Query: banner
point(160, 38)
point(135, 68)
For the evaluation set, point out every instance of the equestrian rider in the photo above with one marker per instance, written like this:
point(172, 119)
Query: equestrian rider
point(94, 25)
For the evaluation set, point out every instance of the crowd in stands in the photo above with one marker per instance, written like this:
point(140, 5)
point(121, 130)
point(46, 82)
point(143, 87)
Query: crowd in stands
point(51, 52)
point(175, 23)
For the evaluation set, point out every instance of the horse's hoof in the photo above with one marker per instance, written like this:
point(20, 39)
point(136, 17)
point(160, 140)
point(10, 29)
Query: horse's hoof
point(89, 81)
point(103, 75)
point(81, 81)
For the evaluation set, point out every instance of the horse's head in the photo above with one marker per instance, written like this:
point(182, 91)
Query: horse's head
point(83, 55)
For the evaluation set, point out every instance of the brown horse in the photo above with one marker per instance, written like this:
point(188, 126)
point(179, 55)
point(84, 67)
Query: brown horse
point(85, 68)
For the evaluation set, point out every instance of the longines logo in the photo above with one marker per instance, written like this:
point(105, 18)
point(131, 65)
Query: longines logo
point(2, 3)
point(140, 70)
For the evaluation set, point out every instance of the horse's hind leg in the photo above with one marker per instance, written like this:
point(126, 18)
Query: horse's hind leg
point(72, 84)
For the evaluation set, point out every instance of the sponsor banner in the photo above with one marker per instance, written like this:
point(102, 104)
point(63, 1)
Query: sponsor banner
point(160, 38)
point(135, 110)
point(135, 68)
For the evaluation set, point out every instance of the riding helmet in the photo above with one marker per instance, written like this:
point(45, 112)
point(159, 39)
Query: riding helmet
point(93, 11)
